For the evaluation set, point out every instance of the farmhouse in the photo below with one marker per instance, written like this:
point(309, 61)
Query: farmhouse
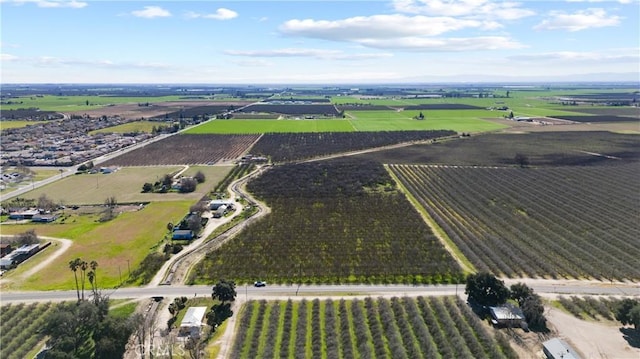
point(557, 348)
point(216, 203)
point(182, 234)
point(193, 321)
point(507, 315)
point(24, 214)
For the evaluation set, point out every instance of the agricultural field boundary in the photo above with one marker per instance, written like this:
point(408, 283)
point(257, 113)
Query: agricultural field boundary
point(448, 244)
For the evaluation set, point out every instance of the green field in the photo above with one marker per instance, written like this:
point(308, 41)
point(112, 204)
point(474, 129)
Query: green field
point(116, 245)
point(455, 120)
point(137, 126)
point(7, 125)
point(461, 121)
point(270, 126)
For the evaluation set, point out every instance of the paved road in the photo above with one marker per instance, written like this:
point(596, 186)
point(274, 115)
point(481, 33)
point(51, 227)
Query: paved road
point(249, 292)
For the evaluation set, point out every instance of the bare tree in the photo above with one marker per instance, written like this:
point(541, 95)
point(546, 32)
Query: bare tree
point(109, 213)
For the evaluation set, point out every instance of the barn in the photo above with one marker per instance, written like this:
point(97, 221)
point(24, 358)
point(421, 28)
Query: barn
point(507, 315)
point(193, 321)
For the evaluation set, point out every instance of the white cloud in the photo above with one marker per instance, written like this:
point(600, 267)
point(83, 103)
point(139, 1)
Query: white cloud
point(8, 57)
point(50, 3)
point(413, 33)
point(70, 4)
point(445, 44)
point(378, 26)
point(313, 53)
point(581, 20)
point(220, 14)
point(150, 12)
point(485, 9)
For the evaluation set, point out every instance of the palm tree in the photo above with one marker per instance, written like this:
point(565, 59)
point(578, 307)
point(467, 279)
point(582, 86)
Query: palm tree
point(83, 267)
point(73, 265)
point(94, 266)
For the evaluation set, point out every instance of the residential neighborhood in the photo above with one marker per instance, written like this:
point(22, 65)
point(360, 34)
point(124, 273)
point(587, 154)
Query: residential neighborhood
point(65, 142)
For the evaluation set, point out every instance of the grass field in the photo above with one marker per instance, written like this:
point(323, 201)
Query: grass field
point(270, 126)
point(125, 185)
point(6, 125)
point(137, 126)
point(116, 245)
point(456, 120)
point(461, 121)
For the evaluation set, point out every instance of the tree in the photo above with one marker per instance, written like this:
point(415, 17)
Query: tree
point(533, 310)
point(188, 185)
point(167, 181)
point(93, 277)
point(147, 187)
point(224, 291)
point(511, 114)
point(486, 289)
point(199, 176)
point(74, 265)
point(27, 238)
point(83, 266)
point(46, 203)
point(110, 203)
point(628, 312)
point(71, 327)
point(218, 314)
point(194, 223)
point(520, 292)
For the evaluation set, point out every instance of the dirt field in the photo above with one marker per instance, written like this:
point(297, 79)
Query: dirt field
point(132, 110)
point(592, 339)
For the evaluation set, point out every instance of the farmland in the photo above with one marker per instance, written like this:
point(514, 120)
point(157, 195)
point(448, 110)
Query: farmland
point(128, 243)
point(541, 149)
point(572, 222)
point(21, 326)
point(187, 150)
point(281, 147)
point(125, 185)
point(434, 327)
point(249, 126)
point(339, 221)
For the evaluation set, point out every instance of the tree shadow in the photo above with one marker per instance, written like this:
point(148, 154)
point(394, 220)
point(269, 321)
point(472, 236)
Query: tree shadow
point(631, 335)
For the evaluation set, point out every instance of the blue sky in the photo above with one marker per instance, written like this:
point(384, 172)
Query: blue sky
point(226, 42)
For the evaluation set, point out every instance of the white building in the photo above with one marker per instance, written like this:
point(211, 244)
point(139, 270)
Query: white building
point(193, 321)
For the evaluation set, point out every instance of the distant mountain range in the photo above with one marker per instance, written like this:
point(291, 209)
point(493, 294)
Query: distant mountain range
point(632, 77)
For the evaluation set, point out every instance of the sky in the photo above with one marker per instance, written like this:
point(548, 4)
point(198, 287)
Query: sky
point(317, 42)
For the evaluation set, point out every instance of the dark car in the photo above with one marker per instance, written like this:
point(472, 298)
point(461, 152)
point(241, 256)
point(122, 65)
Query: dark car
point(259, 284)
